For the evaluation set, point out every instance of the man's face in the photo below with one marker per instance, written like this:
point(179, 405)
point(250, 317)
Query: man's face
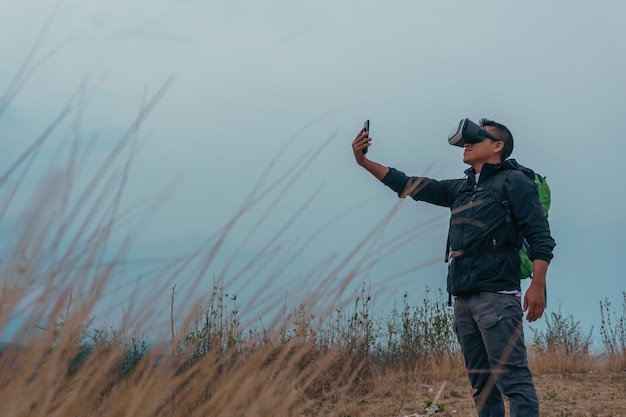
point(486, 151)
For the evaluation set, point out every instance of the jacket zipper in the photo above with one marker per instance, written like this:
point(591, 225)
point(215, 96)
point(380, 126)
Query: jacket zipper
point(470, 210)
point(494, 242)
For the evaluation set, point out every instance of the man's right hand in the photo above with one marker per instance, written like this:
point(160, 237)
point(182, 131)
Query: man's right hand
point(361, 142)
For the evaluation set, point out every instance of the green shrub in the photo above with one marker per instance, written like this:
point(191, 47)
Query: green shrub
point(562, 335)
point(421, 331)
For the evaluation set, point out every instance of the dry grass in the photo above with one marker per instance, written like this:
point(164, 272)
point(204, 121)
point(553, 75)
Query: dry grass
point(558, 363)
point(291, 379)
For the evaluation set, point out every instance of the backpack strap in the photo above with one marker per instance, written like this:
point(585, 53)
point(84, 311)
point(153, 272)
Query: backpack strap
point(497, 186)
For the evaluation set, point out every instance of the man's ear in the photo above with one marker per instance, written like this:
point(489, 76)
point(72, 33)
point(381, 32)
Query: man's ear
point(499, 149)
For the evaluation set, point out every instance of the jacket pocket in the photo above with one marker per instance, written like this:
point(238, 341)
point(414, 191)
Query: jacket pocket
point(460, 276)
point(487, 265)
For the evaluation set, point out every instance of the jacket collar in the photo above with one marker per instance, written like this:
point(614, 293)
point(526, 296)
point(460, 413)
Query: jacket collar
point(491, 169)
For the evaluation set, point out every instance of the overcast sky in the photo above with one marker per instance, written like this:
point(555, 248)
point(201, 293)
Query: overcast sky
point(260, 87)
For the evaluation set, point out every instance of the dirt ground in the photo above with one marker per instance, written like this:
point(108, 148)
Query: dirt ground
point(573, 395)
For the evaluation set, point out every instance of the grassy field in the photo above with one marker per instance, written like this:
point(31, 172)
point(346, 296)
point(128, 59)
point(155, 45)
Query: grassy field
point(398, 364)
point(285, 380)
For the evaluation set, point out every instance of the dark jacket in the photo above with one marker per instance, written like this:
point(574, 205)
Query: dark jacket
point(484, 245)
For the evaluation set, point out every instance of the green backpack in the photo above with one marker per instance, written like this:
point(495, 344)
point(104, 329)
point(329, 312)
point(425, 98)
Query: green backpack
point(543, 190)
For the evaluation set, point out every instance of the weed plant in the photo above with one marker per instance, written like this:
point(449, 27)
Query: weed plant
point(562, 335)
point(562, 346)
point(613, 332)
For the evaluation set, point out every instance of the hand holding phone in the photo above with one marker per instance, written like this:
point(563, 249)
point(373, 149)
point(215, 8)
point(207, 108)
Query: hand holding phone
point(366, 126)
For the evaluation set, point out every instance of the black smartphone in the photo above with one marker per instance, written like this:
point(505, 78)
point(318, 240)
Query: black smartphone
point(366, 125)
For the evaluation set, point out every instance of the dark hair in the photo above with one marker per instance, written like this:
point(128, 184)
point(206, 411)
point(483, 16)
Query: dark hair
point(503, 133)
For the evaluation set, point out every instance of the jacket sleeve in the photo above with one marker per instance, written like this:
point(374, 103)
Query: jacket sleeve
point(441, 193)
point(527, 214)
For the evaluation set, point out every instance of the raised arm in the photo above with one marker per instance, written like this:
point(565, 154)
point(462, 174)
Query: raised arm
point(363, 141)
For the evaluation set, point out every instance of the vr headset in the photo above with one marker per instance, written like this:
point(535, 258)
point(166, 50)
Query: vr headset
point(468, 132)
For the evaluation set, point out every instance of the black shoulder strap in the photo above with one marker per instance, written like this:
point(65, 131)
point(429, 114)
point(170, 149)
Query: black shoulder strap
point(497, 186)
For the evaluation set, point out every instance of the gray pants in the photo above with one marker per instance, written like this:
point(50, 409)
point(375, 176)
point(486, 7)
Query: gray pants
point(489, 329)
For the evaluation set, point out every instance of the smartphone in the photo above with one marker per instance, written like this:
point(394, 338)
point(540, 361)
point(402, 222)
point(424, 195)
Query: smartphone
point(366, 125)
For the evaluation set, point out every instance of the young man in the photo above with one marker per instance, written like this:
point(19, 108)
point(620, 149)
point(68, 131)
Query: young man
point(483, 274)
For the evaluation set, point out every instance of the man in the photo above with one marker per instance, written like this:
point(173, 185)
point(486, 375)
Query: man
point(483, 274)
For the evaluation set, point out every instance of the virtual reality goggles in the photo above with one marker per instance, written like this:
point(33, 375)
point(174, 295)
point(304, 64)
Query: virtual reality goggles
point(468, 132)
